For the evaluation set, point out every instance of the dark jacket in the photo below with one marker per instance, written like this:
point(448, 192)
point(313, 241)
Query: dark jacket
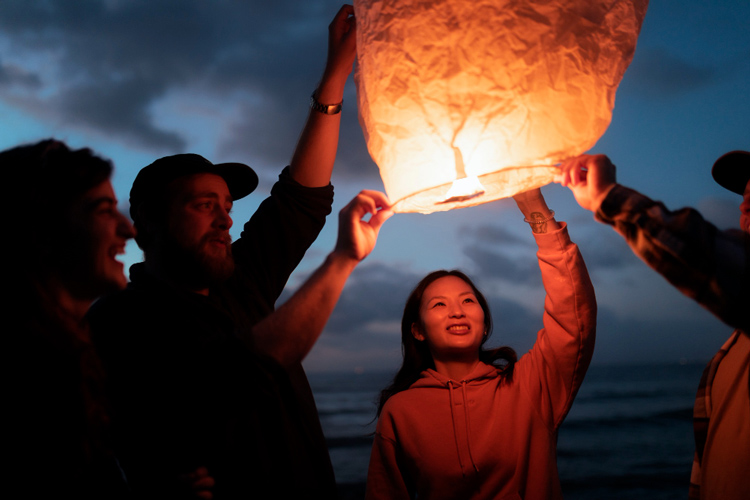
point(56, 442)
point(187, 388)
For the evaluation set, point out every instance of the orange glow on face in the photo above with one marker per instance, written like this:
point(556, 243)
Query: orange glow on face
point(489, 94)
point(452, 320)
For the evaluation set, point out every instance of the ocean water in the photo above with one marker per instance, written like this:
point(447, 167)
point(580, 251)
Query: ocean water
point(628, 435)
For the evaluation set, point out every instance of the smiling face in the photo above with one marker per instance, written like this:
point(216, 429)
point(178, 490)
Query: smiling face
point(97, 233)
point(451, 319)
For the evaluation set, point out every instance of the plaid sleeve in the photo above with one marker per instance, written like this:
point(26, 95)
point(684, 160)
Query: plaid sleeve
point(710, 266)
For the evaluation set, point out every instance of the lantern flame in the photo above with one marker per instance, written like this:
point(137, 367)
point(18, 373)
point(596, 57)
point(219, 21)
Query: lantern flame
point(464, 189)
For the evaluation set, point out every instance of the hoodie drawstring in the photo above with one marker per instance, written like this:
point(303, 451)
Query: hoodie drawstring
point(468, 428)
point(455, 434)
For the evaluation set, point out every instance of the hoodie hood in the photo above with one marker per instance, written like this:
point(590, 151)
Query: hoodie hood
point(481, 374)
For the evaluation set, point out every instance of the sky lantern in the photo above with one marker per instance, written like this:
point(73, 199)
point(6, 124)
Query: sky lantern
point(465, 102)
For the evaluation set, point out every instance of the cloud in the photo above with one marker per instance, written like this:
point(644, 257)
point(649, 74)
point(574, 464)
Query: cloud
point(499, 253)
point(492, 235)
point(494, 264)
point(353, 162)
point(659, 74)
point(515, 324)
point(12, 75)
point(493, 251)
point(105, 65)
point(120, 109)
point(375, 294)
point(603, 249)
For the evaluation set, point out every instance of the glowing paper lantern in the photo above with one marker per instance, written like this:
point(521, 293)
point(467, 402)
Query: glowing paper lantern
point(467, 101)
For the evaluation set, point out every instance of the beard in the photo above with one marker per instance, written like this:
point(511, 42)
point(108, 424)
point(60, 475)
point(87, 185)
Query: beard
point(201, 265)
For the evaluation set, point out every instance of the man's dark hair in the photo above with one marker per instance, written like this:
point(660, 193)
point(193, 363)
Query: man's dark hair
point(151, 191)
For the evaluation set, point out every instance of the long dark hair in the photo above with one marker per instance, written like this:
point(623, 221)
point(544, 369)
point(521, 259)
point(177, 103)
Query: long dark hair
point(416, 354)
point(44, 181)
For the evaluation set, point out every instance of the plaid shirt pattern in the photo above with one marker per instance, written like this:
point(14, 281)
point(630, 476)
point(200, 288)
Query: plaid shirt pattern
point(702, 413)
point(710, 266)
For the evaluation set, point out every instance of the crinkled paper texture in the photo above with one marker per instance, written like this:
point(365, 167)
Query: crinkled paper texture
point(498, 89)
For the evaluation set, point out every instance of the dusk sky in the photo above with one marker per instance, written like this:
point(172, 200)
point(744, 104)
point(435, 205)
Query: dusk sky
point(139, 79)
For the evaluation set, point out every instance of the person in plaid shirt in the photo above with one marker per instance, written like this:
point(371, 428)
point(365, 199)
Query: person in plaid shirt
point(713, 268)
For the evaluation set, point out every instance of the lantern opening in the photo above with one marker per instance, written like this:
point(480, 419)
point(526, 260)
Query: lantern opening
point(464, 189)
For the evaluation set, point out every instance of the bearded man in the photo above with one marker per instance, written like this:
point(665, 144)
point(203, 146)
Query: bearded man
point(200, 389)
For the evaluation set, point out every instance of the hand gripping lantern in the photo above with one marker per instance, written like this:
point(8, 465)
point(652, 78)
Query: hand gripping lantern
point(465, 102)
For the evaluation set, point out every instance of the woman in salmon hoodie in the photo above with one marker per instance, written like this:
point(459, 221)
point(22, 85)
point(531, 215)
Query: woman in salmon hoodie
point(463, 422)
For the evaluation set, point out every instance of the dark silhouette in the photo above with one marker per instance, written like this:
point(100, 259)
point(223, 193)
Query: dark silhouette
point(204, 373)
point(65, 232)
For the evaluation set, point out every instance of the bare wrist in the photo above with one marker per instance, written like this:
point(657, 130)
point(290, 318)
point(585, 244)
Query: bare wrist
point(331, 88)
point(342, 259)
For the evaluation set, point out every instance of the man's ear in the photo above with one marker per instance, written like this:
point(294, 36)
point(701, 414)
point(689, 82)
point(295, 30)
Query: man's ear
point(416, 333)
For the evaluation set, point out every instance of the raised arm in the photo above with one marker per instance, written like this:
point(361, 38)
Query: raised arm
point(288, 334)
point(314, 156)
point(535, 211)
point(705, 264)
point(563, 350)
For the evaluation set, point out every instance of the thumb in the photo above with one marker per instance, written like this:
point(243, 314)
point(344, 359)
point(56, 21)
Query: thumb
point(377, 220)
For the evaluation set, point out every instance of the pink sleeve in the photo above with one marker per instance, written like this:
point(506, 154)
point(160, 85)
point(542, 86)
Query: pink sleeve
point(553, 370)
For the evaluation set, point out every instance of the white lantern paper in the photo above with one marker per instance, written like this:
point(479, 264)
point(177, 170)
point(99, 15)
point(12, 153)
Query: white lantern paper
point(491, 93)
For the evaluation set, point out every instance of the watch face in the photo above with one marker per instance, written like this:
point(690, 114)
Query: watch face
point(332, 109)
point(328, 109)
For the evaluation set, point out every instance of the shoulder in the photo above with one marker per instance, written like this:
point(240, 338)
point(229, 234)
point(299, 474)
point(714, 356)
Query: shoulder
point(415, 399)
point(124, 322)
point(401, 402)
point(402, 411)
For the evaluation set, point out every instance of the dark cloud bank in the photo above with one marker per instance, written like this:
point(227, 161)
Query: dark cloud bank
point(103, 65)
